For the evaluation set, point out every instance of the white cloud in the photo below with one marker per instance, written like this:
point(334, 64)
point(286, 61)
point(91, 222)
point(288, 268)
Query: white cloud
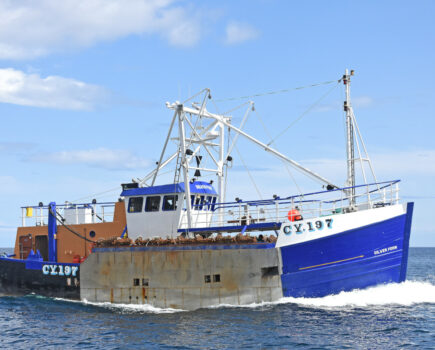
point(33, 28)
point(17, 87)
point(99, 157)
point(239, 32)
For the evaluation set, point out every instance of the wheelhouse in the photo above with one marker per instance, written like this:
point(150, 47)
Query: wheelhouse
point(160, 210)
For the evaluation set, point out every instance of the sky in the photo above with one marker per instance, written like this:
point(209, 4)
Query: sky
point(83, 87)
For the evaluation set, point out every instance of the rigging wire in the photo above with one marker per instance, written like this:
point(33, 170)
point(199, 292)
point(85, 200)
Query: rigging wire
point(99, 194)
point(96, 195)
point(249, 173)
point(273, 142)
point(304, 113)
point(236, 108)
point(276, 91)
point(197, 94)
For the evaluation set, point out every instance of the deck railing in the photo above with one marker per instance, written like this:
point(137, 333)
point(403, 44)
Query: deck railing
point(310, 205)
point(71, 214)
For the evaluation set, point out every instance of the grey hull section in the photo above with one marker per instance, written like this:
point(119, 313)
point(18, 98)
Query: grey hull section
point(183, 278)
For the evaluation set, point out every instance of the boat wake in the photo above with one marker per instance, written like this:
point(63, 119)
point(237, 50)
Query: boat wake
point(403, 294)
point(141, 308)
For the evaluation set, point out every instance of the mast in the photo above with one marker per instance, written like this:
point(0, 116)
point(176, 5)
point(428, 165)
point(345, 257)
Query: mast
point(184, 163)
point(350, 150)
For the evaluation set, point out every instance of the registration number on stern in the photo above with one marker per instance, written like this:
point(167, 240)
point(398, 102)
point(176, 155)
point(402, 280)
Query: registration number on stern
point(307, 226)
point(60, 270)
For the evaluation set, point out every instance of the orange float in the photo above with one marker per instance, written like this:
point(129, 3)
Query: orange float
point(294, 215)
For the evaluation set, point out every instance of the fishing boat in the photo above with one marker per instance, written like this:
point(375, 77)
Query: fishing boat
point(184, 245)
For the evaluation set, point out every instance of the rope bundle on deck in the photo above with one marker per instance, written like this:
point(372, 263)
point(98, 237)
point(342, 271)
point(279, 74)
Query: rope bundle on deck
point(180, 240)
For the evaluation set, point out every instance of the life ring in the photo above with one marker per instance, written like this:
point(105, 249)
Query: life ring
point(294, 215)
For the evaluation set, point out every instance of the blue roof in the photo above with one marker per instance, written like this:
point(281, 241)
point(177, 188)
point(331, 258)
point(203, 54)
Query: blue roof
point(200, 187)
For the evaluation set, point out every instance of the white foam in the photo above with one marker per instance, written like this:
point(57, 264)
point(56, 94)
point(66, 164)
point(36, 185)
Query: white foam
point(143, 308)
point(405, 294)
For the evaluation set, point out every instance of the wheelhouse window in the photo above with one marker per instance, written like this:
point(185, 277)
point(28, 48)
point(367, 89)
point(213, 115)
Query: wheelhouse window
point(208, 202)
point(152, 203)
point(214, 202)
point(135, 204)
point(170, 202)
point(197, 202)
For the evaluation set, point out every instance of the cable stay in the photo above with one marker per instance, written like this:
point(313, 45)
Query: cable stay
point(276, 91)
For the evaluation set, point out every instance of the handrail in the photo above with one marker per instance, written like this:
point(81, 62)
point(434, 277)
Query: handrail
point(68, 205)
point(277, 209)
point(94, 212)
point(278, 199)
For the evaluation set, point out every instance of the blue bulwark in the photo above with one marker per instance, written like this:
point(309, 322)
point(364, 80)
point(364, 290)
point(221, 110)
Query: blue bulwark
point(200, 187)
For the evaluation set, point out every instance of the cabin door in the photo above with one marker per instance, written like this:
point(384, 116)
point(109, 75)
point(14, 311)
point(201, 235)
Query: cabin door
point(41, 244)
point(25, 246)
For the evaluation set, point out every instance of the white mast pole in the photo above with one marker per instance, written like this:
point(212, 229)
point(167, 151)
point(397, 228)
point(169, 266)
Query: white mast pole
point(221, 169)
point(349, 140)
point(184, 164)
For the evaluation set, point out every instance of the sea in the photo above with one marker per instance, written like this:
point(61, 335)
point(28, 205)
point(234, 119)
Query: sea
point(393, 316)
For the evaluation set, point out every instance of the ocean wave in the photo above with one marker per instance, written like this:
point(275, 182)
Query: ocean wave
point(142, 308)
point(405, 294)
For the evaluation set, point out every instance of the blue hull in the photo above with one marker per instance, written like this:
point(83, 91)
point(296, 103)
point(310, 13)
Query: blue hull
point(355, 259)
